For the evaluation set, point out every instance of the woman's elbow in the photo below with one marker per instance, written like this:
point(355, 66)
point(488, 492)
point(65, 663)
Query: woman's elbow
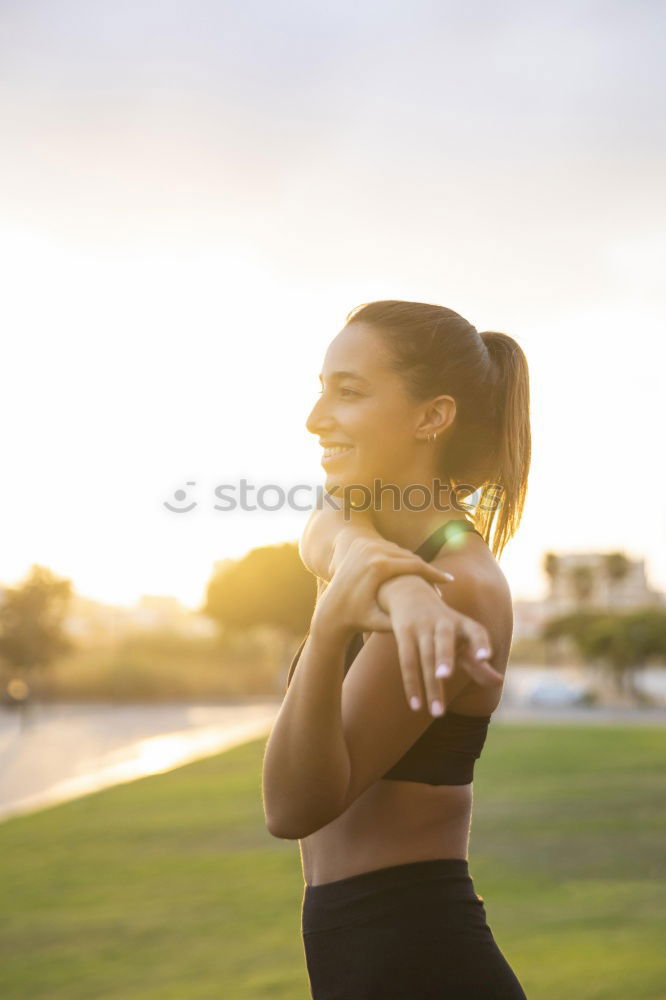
point(291, 829)
point(281, 832)
point(275, 821)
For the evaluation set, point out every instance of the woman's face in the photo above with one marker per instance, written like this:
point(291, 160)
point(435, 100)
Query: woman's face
point(366, 410)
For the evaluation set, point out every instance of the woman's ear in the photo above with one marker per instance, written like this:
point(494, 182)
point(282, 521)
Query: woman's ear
point(443, 413)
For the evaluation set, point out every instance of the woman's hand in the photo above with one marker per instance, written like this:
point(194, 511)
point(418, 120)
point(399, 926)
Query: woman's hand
point(429, 633)
point(381, 546)
point(328, 529)
point(349, 602)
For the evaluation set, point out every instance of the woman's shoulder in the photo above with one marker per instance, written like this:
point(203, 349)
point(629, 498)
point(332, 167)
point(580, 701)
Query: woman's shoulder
point(473, 561)
point(479, 590)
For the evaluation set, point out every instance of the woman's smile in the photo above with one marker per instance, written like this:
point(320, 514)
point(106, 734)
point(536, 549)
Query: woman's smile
point(333, 454)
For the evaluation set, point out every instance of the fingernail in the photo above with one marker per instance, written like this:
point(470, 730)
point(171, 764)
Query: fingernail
point(437, 707)
point(482, 653)
point(415, 702)
point(443, 670)
point(448, 576)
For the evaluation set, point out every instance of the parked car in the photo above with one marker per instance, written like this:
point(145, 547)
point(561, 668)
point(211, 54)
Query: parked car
point(557, 693)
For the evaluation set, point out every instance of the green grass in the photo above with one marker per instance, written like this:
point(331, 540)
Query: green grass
point(170, 888)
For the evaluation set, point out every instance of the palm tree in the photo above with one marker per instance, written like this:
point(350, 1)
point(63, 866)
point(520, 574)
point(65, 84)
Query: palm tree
point(582, 581)
point(551, 567)
point(617, 568)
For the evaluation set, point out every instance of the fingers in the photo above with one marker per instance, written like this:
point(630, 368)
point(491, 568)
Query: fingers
point(383, 568)
point(396, 562)
point(434, 688)
point(445, 650)
point(410, 667)
point(440, 574)
point(444, 641)
point(474, 651)
point(429, 658)
point(419, 656)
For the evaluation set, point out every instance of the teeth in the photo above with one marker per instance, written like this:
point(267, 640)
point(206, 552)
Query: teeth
point(335, 451)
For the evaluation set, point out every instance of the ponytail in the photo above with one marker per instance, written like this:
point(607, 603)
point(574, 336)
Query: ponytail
point(513, 449)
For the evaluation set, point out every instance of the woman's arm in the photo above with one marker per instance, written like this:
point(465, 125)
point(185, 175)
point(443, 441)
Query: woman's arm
point(308, 763)
point(329, 528)
point(325, 541)
point(306, 768)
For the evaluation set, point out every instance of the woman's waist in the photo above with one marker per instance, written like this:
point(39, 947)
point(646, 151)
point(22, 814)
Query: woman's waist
point(398, 825)
point(414, 807)
point(439, 889)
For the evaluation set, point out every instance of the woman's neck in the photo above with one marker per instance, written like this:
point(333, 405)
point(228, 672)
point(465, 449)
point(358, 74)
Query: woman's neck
point(410, 529)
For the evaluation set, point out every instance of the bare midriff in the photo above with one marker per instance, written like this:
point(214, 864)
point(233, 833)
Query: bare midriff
point(391, 823)
point(395, 822)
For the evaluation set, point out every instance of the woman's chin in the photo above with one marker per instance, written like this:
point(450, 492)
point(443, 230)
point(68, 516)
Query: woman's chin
point(349, 489)
point(335, 480)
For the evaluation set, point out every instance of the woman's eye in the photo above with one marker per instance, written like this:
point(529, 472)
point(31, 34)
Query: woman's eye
point(342, 389)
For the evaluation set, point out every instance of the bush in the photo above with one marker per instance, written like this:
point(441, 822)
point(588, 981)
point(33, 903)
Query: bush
point(162, 665)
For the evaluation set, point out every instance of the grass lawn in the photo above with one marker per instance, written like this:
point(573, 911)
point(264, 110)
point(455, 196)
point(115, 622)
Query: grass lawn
point(171, 888)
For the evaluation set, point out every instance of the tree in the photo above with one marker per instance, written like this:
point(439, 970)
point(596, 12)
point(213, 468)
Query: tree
point(617, 568)
point(627, 642)
point(582, 581)
point(551, 567)
point(31, 621)
point(623, 642)
point(269, 586)
point(570, 626)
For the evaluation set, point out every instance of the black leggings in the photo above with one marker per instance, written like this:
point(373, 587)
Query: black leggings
point(414, 931)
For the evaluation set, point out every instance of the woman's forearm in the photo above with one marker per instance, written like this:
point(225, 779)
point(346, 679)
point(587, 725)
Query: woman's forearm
point(306, 767)
point(329, 528)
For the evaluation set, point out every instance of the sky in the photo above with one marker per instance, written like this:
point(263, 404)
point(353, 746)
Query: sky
point(194, 195)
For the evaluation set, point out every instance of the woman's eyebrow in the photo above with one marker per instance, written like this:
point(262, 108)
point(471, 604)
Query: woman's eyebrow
point(343, 374)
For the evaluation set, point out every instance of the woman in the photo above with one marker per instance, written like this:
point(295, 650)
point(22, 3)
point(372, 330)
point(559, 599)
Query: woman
point(369, 763)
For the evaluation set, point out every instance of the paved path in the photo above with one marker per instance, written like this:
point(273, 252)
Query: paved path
point(65, 751)
point(598, 716)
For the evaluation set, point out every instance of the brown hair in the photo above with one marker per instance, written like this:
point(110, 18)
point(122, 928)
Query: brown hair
point(488, 445)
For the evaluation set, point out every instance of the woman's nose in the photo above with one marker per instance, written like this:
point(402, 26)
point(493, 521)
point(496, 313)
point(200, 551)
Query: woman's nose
point(316, 419)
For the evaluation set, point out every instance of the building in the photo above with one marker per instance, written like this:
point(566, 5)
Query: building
point(590, 581)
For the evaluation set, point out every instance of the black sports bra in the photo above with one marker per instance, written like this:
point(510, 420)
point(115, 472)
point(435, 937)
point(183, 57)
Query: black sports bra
point(446, 752)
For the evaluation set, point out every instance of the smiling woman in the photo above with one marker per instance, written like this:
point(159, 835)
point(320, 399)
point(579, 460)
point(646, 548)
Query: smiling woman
point(332, 451)
point(370, 761)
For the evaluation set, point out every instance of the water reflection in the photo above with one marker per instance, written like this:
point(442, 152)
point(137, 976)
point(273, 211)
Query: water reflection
point(64, 753)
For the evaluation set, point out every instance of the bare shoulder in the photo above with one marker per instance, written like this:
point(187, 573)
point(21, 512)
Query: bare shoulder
point(475, 570)
point(481, 591)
